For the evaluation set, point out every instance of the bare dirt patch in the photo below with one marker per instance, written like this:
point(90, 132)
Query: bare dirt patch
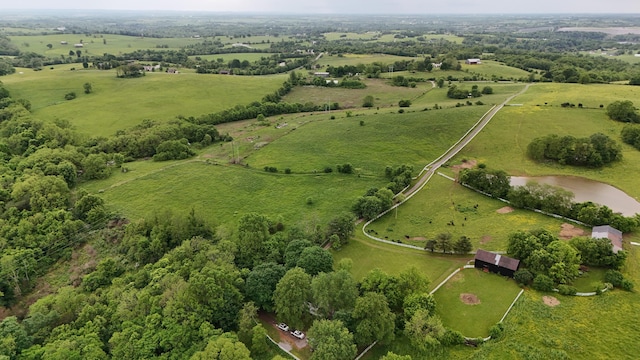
point(418, 238)
point(485, 239)
point(469, 299)
point(469, 164)
point(568, 231)
point(505, 210)
point(550, 301)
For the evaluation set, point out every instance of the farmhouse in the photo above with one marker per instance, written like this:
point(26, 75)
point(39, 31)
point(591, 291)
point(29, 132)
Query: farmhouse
point(473, 61)
point(496, 263)
point(607, 232)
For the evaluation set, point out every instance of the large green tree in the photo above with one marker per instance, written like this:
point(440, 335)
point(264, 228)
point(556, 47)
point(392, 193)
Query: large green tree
point(374, 319)
point(334, 291)
point(261, 283)
point(330, 340)
point(292, 296)
point(315, 260)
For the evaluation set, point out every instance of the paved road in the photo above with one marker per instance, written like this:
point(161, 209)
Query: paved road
point(430, 169)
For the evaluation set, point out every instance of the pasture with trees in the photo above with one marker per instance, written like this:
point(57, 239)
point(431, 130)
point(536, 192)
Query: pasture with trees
point(137, 220)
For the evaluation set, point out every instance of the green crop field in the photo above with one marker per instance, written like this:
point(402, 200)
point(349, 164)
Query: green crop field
point(95, 44)
point(368, 254)
point(494, 294)
point(441, 201)
point(383, 140)
point(158, 96)
point(332, 36)
point(503, 143)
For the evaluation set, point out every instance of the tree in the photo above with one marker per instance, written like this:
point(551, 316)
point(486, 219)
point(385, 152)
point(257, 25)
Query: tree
point(291, 297)
point(49, 46)
point(259, 344)
point(424, 331)
point(392, 356)
point(95, 167)
point(623, 110)
point(330, 340)
point(315, 260)
point(261, 283)
point(246, 323)
point(487, 90)
point(374, 319)
point(342, 225)
point(334, 291)
point(443, 241)
point(404, 103)
point(430, 245)
point(419, 301)
point(293, 251)
point(223, 347)
point(253, 232)
point(87, 88)
point(462, 245)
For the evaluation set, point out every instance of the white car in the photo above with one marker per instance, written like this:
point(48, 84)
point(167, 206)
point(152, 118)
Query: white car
point(297, 333)
point(283, 327)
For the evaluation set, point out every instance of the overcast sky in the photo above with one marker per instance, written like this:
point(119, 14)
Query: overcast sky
point(344, 6)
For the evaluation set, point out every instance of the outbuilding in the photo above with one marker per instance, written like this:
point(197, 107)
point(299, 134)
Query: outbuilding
point(473, 61)
point(607, 232)
point(496, 263)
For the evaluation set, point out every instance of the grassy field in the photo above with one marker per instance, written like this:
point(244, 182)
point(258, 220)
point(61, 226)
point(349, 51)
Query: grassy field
point(157, 96)
point(223, 193)
point(356, 59)
point(384, 139)
point(494, 292)
point(590, 280)
point(502, 144)
point(427, 214)
point(251, 57)
point(368, 255)
point(95, 44)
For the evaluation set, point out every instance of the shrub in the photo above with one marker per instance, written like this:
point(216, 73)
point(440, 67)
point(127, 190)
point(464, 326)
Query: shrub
point(451, 338)
point(496, 331)
point(567, 290)
point(401, 111)
point(404, 103)
point(626, 284)
point(543, 283)
point(70, 96)
point(613, 277)
point(345, 168)
point(287, 171)
point(328, 169)
point(487, 90)
point(523, 277)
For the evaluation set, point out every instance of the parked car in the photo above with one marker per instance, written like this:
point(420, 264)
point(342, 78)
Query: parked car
point(297, 333)
point(283, 327)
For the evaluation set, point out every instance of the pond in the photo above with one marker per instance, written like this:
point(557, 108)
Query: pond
point(588, 190)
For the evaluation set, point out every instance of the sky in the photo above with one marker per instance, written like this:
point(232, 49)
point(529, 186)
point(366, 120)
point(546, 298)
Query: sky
point(345, 6)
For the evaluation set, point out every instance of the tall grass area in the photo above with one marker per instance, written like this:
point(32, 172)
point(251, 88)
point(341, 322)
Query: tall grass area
point(382, 140)
point(503, 143)
point(442, 201)
point(221, 194)
point(157, 96)
point(495, 294)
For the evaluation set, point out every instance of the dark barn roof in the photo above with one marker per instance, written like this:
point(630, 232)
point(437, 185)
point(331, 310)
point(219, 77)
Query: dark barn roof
point(497, 259)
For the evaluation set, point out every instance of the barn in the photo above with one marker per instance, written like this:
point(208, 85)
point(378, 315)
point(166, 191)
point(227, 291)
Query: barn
point(607, 232)
point(496, 263)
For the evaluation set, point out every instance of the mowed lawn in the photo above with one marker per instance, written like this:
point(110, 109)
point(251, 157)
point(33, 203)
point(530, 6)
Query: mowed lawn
point(476, 216)
point(222, 194)
point(503, 143)
point(388, 139)
point(118, 104)
point(368, 254)
point(492, 294)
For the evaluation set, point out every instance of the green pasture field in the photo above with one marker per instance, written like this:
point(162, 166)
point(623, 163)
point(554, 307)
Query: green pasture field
point(628, 58)
point(501, 91)
point(332, 36)
point(251, 57)
point(387, 139)
point(427, 214)
point(503, 142)
point(368, 254)
point(356, 59)
point(158, 96)
point(428, 38)
point(221, 194)
point(384, 94)
point(494, 292)
point(93, 44)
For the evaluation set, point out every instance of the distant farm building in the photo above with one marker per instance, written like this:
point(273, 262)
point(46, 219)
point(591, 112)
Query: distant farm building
point(172, 70)
point(436, 65)
point(607, 232)
point(63, 42)
point(321, 74)
point(78, 45)
point(496, 263)
point(473, 61)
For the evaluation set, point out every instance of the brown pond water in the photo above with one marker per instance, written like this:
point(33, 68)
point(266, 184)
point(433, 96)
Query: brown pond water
point(588, 190)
